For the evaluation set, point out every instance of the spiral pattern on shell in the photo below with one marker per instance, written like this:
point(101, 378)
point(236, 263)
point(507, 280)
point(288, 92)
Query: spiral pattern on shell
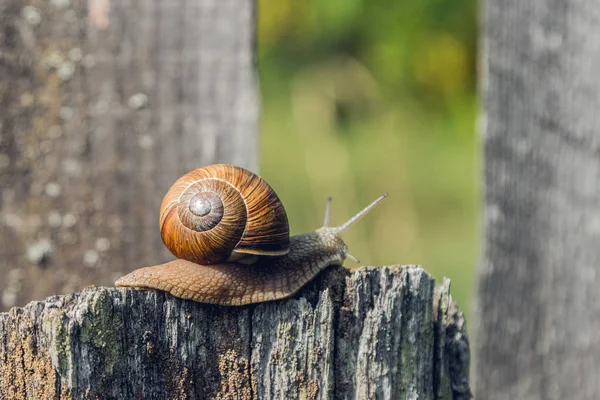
point(221, 212)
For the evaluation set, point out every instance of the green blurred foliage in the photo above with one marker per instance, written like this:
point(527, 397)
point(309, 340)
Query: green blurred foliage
point(363, 97)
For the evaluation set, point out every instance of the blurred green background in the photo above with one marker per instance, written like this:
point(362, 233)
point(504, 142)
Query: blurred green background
point(364, 97)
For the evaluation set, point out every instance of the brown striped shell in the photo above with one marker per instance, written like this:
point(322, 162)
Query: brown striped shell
point(223, 212)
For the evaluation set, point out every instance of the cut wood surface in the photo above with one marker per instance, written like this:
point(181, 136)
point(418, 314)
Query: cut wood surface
point(370, 333)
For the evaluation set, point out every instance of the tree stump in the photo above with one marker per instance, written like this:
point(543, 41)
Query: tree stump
point(371, 333)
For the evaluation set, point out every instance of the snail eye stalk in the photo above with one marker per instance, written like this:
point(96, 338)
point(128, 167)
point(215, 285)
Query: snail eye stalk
point(340, 229)
point(327, 213)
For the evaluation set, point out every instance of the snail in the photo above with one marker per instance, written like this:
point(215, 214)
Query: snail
point(230, 234)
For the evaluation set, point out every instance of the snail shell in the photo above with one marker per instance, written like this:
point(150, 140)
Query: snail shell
point(218, 219)
point(223, 213)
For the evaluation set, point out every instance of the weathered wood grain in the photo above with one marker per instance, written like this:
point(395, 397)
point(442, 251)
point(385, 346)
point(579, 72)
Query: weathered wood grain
point(103, 104)
point(538, 300)
point(372, 333)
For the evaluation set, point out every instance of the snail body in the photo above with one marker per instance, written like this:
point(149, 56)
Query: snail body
point(260, 262)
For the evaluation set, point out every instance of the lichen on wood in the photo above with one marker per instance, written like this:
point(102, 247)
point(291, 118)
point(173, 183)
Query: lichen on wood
point(370, 333)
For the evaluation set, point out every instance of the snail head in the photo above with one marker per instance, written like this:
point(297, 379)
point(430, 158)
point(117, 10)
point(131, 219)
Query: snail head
point(335, 233)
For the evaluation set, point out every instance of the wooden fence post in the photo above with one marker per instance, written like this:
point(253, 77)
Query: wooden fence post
point(103, 104)
point(538, 296)
point(373, 333)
